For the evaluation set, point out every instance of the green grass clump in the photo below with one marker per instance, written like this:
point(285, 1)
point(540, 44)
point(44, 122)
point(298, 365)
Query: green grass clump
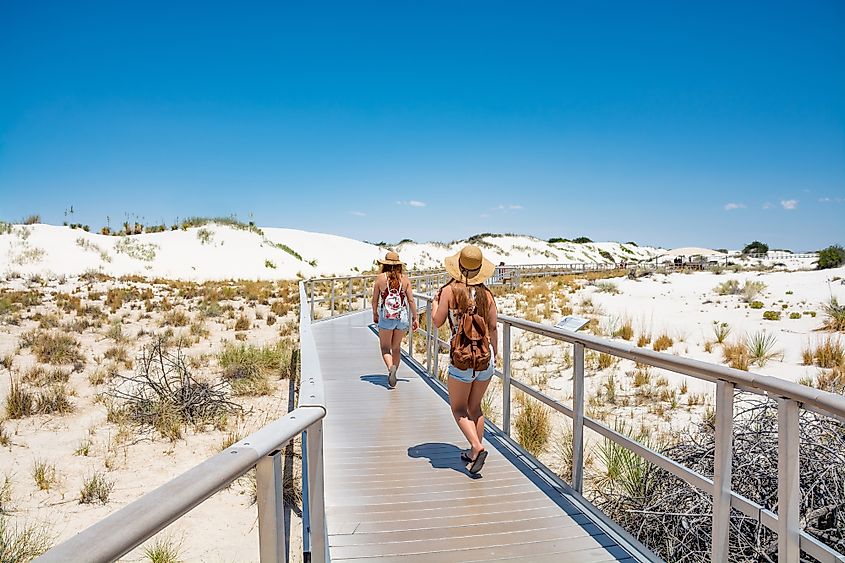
point(53, 399)
point(22, 544)
point(20, 402)
point(249, 368)
point(44, 474)
point(761, 348)
point(95, 489)
point(163, 550)
point(663, 342)
point(756, 305)
point(771, 315)
point(533, 425)
point(794, 315)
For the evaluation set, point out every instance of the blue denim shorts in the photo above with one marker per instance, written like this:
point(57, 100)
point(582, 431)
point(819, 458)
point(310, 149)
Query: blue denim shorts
point(391, 324)
point(467, 375)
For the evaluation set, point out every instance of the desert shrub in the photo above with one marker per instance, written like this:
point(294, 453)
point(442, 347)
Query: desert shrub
point(146, 252)
point(163, 395)
point(761, 346)
point(607, 287)
point(40, 376)
point(721, 331)
point(729, 287)
point(53, 399)
point(771, 315)
point(831, 257)
point(44, 474)
point(95, 488)
point(248, 368)
point(794, 315)
point(205, 236)
point(19, 402)
point(625, 330)
point(118, 354)
point(163, 550)
point(752, 289)
point(756, 305)
point(31, 219)
point(674, 519)
point(736, 355)
point(533, 425)
point(270, 264)
point(835, 315)
point(663, 342)
point(829, 352)
point(176, 317)
point(56, 348)
point(22, 544)
point(582, 240)
point(243, 323)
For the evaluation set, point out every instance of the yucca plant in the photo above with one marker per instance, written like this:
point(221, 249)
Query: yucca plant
point(760, 346)
point(835, 315)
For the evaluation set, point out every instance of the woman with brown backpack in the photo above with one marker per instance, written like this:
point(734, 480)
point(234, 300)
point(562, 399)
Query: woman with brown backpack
point(471, 310)
point(393, 304)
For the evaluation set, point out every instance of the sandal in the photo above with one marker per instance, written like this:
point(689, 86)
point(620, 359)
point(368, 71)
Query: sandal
point(477, 463)
point(465, 456)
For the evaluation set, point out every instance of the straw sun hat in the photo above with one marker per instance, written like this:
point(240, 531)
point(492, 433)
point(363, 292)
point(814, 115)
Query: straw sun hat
point(469, 266)
point(391, 258)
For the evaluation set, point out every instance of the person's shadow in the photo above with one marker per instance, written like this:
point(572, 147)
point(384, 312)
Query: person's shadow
point(441, 456)
point(380, 380)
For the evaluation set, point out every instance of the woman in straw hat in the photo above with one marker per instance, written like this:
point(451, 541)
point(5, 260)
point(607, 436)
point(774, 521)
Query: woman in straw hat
point(392, 299)
point(468, 269)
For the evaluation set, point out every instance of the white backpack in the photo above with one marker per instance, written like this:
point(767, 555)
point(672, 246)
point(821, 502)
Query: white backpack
point(393, 302)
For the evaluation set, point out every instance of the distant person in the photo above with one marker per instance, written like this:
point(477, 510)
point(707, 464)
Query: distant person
point(459, 301)
point(393, 300)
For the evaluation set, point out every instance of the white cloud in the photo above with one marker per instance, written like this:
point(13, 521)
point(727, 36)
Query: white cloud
point(768, 205)
point(731, 206)
point(412, 203)
point(789, 204)
point(358, 213)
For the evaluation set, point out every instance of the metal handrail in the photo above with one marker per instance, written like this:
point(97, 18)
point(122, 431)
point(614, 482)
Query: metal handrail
point(790, 396)
point(124, 530)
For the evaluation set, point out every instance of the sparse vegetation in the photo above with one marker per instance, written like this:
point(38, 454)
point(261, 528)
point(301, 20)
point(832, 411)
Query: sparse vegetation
point(95, 489)
point(24, 543)
point(761, 346)
point(532, 424)
point(835, 315)
point(771, 315)
point(164, 549)
point(44, 474)
point(663, 342)
point(831, 257)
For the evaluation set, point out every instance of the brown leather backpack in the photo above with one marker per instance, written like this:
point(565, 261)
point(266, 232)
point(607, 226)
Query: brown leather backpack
point(470, 345)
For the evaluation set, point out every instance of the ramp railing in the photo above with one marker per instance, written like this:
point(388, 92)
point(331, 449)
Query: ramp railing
point(791, 398)
point(121, 532)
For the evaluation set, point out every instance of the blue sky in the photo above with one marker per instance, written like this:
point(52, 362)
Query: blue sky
point(670, 123)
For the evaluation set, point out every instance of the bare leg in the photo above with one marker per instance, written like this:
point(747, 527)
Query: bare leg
point(396, 347)
point(385, 340)
point(459, 401)
point(476, 393)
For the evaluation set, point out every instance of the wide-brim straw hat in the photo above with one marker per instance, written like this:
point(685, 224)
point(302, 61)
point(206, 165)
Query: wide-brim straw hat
point(469, 265)
point(391, 258)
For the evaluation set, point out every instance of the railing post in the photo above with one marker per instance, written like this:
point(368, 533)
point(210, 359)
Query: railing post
point(410, 333)
point(720, 539)
point(350, 294)
point(311, 296)
point(578, 419)
point(789, 487)
point(306, 498)
point(268, 492)
point(436, 366)
point(428, 337)
point(316, 498)
point(506, 378)
point(331, 306)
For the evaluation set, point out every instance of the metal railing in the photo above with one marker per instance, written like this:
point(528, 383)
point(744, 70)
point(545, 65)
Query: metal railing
point(791, 397)
point(124, 530)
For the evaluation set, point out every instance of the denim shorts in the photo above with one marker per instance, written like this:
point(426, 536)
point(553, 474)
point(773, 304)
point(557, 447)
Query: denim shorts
point(391, 324)
point(467, 376)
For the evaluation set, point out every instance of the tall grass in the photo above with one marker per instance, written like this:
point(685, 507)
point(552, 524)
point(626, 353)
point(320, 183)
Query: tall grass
point(95, 488)
point(533, 425)
point(721, 331)
point(835, 315)
point(736, 355)
point(24, 543)
point(623, 470)
point(163, 550)
point(828, 352)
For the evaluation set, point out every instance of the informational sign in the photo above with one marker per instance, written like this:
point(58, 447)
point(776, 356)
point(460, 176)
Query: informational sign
point(572, 323)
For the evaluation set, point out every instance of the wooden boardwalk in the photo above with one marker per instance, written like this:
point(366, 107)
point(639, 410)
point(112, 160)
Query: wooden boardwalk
point(396, 489)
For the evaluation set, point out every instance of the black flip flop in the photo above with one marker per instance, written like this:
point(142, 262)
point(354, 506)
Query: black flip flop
point(478, 462)
point(465, 456)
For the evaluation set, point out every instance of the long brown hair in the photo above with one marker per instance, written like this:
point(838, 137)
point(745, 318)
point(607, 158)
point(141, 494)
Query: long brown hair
point(394, 273)
point(462, 298)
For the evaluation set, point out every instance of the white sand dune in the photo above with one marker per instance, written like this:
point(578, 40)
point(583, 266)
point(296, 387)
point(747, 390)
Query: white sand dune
point(220, 252)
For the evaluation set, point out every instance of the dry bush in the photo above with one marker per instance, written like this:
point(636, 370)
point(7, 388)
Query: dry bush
point(118, 355)
point(828, 352)
point(39, 375)
point(44, 474)
point(24, 543)
point(176, 317)
point(95, 488)
point(736, 355)
point(532, 424)
point(625, 330)
point(19, 402)
point(835, 315)
point(674, 519)
point(164, 396)
point(248, 368)
point(643, 340)
point(56, 348)
point(243, 323)
point(663, 342)
point(53, 399)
